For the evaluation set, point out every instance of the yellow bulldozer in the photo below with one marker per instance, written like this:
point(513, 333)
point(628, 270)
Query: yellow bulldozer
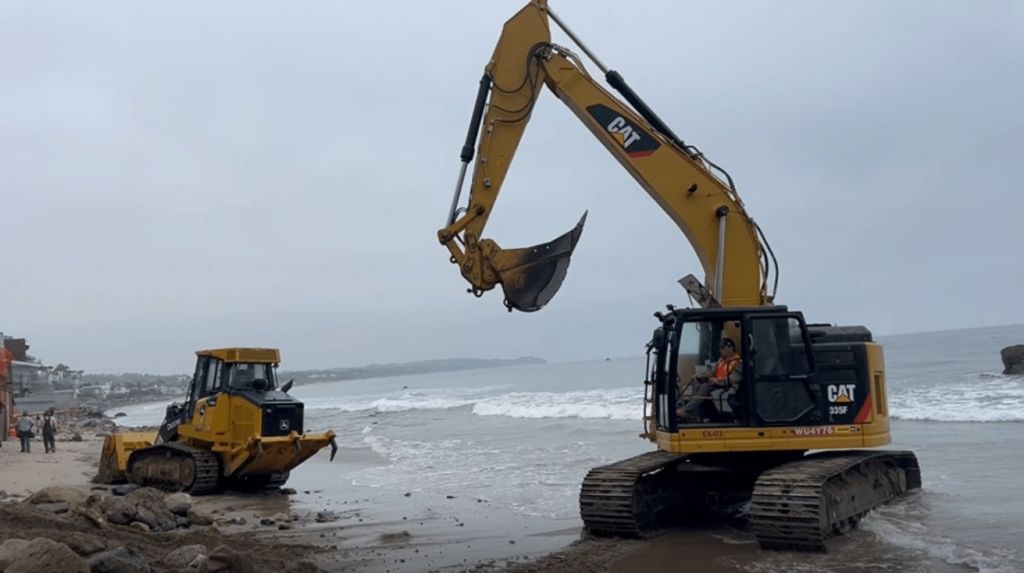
point(236, 429)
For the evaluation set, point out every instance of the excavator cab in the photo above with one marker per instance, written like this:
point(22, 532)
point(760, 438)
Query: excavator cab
point(735, 367)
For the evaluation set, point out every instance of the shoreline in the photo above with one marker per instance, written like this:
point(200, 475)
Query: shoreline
point(362, 530)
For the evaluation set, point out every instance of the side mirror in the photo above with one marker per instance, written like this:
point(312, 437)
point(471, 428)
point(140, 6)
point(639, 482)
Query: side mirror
point(287, 386)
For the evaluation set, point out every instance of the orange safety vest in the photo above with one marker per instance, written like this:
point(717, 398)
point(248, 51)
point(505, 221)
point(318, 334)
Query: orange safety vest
point(725, 367)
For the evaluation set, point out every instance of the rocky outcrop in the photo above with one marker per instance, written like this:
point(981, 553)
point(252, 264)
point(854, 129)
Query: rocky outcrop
point(1013, 359)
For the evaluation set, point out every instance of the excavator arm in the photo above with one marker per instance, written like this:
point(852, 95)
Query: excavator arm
point(678, 177)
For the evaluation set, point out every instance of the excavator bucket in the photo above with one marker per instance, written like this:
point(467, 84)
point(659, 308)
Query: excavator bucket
point(531, 276)
point(116, 449)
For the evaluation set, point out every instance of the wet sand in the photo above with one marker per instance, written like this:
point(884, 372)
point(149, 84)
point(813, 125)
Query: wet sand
point(366, 530)
point(386, 531)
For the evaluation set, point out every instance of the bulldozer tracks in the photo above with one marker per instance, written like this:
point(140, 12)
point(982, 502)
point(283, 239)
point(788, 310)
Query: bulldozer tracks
point(175, 467)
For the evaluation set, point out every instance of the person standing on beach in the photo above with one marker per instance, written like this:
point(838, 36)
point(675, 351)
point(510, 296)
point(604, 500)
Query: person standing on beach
point(24, 429)
point(49, 432)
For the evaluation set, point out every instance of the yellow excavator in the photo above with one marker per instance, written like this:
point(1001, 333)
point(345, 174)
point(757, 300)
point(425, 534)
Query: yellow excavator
point(745, 401)
point(236, 429)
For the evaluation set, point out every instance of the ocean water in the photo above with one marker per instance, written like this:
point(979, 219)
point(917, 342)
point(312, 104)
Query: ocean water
point(523, 437)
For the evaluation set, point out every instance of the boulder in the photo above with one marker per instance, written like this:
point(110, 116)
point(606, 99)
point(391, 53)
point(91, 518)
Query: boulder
point(1013, 359)
point(83, 543)
point(224, 559)
point(121, 560)
point(10, 550)
point(92, 517)
point(118, 510)
point(181, 557)
point(140, 525)
point(156, 520)
point(151, 510)
point(178, 503)
point(124, 489)
point(40, 554)
point(56, 494)
point(57, 507)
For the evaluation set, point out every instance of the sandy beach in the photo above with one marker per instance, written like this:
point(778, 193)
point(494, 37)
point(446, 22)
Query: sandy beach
point(303, 529)
point(296, 526)
point(389, 533)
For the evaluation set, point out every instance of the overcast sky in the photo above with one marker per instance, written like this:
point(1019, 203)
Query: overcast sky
point(180, 175)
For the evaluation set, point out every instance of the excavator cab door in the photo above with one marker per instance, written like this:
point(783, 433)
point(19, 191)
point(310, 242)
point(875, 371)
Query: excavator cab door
point(779, 369)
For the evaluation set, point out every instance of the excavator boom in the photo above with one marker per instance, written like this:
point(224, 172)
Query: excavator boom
point(707, 209)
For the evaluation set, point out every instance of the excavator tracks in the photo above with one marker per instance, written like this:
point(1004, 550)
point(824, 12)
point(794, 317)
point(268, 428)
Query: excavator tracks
point(175, 467)
point(625, 498)
point(798, 505)
point(794, 505)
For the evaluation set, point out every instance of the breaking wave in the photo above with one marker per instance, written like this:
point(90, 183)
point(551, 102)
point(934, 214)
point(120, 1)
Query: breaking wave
point(398, 403)
point(614, 404)
point(981, 398)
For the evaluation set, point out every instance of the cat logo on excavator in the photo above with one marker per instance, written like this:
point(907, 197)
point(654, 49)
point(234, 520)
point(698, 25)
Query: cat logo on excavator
point(623, 132)
point(633, 139)
point(840, 393)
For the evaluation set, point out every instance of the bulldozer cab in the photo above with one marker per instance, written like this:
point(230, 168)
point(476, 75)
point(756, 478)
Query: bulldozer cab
point(734, 367)
point(233, 369)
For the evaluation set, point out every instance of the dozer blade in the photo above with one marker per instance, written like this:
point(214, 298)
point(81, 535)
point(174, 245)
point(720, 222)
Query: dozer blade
point(531, 276)
point(117, 448)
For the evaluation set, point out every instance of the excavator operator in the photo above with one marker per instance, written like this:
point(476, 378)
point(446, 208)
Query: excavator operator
point(727, 374)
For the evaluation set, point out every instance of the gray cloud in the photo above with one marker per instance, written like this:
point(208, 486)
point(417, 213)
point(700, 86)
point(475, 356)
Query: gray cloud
point(183, 175)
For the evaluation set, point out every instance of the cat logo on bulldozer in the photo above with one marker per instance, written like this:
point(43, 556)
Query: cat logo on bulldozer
point(840, 393)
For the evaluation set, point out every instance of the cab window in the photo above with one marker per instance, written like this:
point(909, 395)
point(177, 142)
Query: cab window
point(246, 376)
point(213, 377)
